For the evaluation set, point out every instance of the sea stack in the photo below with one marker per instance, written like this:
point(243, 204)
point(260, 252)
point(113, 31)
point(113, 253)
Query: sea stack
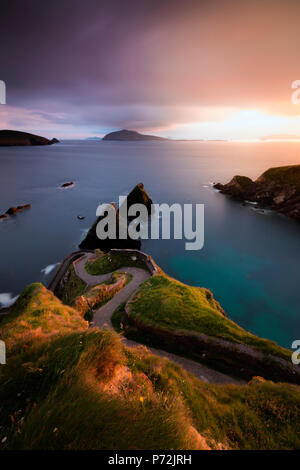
point(137, 196)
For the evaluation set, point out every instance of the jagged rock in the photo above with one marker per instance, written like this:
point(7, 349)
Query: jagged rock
point(277, 188)
point(24, 206)
point(137, 196)
point(13, 210)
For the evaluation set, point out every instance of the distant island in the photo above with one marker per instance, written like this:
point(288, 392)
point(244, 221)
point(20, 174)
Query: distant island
point(10, 138)
point(124, 134)
point(277, 188)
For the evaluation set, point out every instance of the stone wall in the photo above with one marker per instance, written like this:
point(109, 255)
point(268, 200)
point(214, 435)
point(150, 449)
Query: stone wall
point(147, 260)
point(242, 359)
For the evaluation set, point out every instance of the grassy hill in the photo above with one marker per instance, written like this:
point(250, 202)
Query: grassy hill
point(67, 387)
point(37, 315)
point(165, 301)
point(282, 175)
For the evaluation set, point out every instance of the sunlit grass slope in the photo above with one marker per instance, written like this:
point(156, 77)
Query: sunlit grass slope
point(36, 315)
point(164, 301)
point(66, 387)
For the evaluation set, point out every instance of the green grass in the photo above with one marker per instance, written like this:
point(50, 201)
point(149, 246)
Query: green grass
point(283, 175)
point(253, 416)
point(163, 301)
point(116, 276)
point(57, 396)
point(110, 262)
point(75, 289)
point(36, 315)
point(60, 397)
point(117, 317)
point(97, 296)
point(72, 289)
point(75, 388)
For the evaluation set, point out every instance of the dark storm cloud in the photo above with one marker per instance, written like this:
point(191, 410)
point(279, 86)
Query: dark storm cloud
point(142, 63)
point(81, 56)
point(76, 50)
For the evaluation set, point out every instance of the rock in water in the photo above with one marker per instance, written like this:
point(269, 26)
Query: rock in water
point(13, 210)
point(14, 138)
point(277, 189)
point(68, 184)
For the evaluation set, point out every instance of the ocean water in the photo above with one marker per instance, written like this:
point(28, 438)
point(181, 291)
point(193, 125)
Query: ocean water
point(250, 260)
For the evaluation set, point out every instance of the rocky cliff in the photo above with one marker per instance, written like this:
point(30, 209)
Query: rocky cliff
point(277, 188)
point(137, 196)
point(14, 138)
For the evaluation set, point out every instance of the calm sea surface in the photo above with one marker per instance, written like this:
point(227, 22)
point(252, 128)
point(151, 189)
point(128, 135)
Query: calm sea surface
point(250, 260)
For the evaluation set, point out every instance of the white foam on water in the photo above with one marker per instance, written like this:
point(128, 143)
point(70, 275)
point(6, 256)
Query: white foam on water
point(6, 299)
point(262, 211)
point(48, 269)
point(254, 203)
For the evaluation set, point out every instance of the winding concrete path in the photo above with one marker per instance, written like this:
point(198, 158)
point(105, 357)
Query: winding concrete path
point(79, 267)
point(102, 318)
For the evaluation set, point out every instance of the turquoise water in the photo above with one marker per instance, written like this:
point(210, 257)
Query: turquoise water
point(250, 260)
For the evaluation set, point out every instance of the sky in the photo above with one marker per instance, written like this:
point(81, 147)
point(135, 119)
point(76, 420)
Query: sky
point(184, 69)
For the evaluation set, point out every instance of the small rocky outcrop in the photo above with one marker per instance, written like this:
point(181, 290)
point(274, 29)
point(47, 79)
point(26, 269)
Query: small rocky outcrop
point(68, 184)
point(14, 138)
point(14, 209)
point(277, 189)
point(125, 134)
point(137, 196)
